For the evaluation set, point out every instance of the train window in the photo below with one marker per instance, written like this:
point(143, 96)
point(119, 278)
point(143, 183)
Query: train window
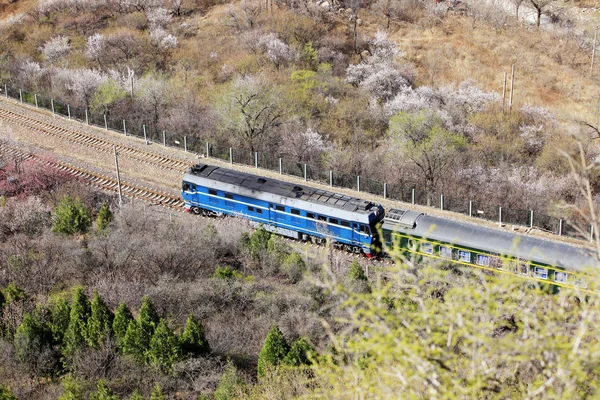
point(541, 273)
point(228, 196)
point(464, 256)
point(387, 236)
point(310, 215)
point(523, 269)
point(213, 192)
point(185, 186)
point(445, 252)
point(483, 260)
point(322, 218)
point(295, 212)
point(560, 277)
point(258, 210)
point(496, 262)
point(334, 221)
point(280, 208)
point(250, 208)
point(193, 187)
point(365, 229)
point(427, 247)
point(345, 223)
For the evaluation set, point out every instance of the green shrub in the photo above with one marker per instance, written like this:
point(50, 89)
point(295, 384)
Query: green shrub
point(5, 393)
point(274, 350)
point(164, 349)
point(60, 319)
point(299, 354)
point(293, 267)
point(122, 319)
point(132, 343)
point(156, 393)
point(258, 243)
point(226, 273)
point(356, 272)
point(147, 320)
point(76, 333)
point(72, 389)
point(230, 385)
point(103, 392)
point(71, 217)
point(99, 323)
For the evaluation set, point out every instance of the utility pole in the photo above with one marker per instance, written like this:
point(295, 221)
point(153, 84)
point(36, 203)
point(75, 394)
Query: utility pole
point(512, 85)
point(593, 52)
point(118, 177)
point(504, 93)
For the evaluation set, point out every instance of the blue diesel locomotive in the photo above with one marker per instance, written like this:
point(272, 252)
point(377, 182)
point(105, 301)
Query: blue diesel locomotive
point(298, 212)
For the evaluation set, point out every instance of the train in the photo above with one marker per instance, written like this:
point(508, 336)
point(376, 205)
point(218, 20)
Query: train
point(304, 213)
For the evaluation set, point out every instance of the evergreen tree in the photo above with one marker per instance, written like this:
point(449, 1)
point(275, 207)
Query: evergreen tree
point(71, 217)
point(122, 318)
point(100, 322)
point(60, 319)
point(259, 242)
point(293, 267)
point(230, 384)
point(105, 216)
point(156, 393)
point(192, 340)
point(136, 395)
point(30, 338)
point(76, 333)
point(132, 343)
point(147, 320)
point(5, 393)
point(103, 392)
point(299, 353)
point(356, 272)
point(164, 347)
point(72, 389)
point(274, 350)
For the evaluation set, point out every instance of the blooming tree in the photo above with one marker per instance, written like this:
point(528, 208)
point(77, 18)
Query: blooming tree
point(56, 48)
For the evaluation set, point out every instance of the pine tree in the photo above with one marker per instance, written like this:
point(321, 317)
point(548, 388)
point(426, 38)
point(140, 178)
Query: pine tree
point(164, 347)
point(30, 338)
point(100, 322)
point(60, 319)
point(192, 340)
point(72, 389)
point(132, 344)
point(259, 242)
point(356, 272)
point(136, 395)
point(105, 216)
point(103, 392)
point(147, 319)
point(230, 384)
point(156, 393)
point(299, 353)
point(5, 393)
point(71, 217)
point(274, 350)
point(76, 333)
point(122, 318)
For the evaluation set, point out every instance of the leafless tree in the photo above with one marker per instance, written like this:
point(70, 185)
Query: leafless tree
point(541, 7)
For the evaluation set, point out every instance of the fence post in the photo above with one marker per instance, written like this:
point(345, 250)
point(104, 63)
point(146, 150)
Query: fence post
point(36, 101)
point(280, 166)
point(185, 143)
point(231, 155)
point(304, 171)
point(105, 122)
point(560, 226)
point(145, 135)
point(384, 190)
point(330, 178)
point(21, 95)
point(52, 103)
point(470, 208)
point(412, 196)
point(591, 233)
point(358, 183)
point(500, 216)
point(256, 159)
point(87, 117)
point(164, 139)
point(5, 91)
point(442, 202)
point(124, 128)
point(531, 218)
point(69, 110)
point(207, 149)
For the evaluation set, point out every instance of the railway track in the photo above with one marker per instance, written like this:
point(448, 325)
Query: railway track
point(102, 181)
point(95, 142)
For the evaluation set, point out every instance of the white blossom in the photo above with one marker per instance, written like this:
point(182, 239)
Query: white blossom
point(168, 42)
point(83, 83)
point(158, 17)
point(56, 48)
point(94, 46)
point(276, 50)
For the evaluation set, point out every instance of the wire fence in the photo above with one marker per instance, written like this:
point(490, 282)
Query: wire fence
point(406, 193)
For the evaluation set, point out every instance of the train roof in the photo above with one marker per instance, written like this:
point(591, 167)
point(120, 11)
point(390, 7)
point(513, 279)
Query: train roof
point(288, 190)
point(490, 240)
